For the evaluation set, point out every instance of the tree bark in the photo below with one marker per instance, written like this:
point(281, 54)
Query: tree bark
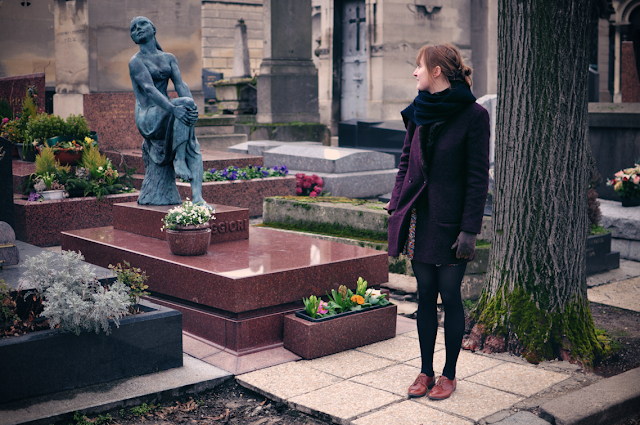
point(535, 292)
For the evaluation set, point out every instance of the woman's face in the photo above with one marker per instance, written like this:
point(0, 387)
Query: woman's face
point(141, 31)
point(422, 75)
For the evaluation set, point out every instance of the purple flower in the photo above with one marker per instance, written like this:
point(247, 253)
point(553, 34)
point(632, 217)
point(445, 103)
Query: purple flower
point(265, 173)
point(34, 196)
point(233, 175)
point(225, 173)
point(213, 170)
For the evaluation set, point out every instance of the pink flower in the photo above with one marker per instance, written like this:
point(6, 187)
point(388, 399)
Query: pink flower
point(313, 194)
point(298, 191)
point(619, 174)
point(319, 181)
point(306, 185)
point(322, 308)
point(5, 120)
point(636, 179)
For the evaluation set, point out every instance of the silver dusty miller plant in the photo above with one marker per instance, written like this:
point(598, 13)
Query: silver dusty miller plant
point(72, 295)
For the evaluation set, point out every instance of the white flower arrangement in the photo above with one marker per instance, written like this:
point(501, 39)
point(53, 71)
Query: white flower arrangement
point(187, 214)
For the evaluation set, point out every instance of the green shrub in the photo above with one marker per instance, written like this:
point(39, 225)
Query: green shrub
point(76, 127)
point(5, 109)
point(45, 126)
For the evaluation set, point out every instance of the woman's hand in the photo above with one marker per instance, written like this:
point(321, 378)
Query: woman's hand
point(185, 115)
point(386, 207)
point(466, 244)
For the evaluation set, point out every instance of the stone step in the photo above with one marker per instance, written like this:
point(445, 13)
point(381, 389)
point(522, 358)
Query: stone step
point(608, 401)
point(211, 130)
point(218, 120)
point(221, 142)
point(210, 159)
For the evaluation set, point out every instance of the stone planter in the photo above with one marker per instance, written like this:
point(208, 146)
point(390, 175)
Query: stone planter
point(599, 255)
point(189, 242)
point(630, 202)
point(50, 361)
point(311, 340)
point(63, 215)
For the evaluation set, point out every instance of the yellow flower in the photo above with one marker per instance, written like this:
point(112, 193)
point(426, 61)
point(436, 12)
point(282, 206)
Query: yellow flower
point(617, 186)
point(357, 299)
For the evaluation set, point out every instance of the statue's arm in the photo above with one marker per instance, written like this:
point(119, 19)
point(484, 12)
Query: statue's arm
point(181, 86)
point(141, 77)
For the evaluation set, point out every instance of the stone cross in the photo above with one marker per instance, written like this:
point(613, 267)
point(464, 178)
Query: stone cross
point(357, 21)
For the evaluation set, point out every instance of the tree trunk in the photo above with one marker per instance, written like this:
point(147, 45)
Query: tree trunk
point(535, 292)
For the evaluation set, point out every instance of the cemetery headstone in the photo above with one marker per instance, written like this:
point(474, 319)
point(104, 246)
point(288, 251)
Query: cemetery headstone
point(209, 90)
point(13, 90)
point(9, 253)
point(6, 176)
point(354, 173)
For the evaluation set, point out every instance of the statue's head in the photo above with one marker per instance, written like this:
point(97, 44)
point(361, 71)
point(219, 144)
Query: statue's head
point(142, 30)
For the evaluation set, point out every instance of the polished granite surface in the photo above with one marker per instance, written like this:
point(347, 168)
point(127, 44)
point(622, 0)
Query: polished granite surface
point(270, 268)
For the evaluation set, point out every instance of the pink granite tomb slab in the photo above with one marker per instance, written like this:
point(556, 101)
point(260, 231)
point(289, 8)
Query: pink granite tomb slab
point(237, 295)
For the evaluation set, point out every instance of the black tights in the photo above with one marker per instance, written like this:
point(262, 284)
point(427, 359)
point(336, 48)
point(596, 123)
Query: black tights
point(446, 280)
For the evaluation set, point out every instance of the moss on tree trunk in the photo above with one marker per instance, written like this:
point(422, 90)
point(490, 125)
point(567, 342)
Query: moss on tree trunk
point(535, 291)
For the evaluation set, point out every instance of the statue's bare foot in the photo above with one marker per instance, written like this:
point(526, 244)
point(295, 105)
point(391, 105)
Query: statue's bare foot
point(181, 169)
point(200, 201)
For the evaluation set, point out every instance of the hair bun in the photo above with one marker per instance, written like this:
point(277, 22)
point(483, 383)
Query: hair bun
point(466, 71)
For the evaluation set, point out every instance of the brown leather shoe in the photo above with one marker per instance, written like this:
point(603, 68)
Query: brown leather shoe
point(420, 386)
point(443, 388)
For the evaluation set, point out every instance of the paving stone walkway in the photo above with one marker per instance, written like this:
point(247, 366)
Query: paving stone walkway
point(368, 385)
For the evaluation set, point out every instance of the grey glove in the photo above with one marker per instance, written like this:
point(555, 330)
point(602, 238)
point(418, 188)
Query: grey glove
point(466, 244)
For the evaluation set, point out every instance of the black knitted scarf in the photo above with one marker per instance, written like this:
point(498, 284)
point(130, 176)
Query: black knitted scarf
point(428, 108)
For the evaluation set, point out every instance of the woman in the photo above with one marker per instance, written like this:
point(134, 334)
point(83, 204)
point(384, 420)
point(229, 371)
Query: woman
point(170, 146)
point(438, 201)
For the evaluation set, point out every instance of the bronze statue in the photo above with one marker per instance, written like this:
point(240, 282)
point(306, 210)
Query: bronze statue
point(170, 146)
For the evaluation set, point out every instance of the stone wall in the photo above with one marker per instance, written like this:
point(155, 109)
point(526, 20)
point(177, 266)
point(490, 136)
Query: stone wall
point(219, 19)
point(29, 45)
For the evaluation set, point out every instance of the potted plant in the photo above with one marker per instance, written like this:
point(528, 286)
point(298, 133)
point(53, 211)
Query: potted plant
point(187, 227)
point(308, 185)
point(94, 175)
point(63, 312)
point(327, 327)
point(599, 255)
point(626, 183)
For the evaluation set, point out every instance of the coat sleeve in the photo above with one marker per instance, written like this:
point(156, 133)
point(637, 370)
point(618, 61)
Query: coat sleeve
point(477, 162)
point(402, 166)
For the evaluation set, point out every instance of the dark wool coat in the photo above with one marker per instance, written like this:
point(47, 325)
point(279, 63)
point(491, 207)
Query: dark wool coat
point(452, 191)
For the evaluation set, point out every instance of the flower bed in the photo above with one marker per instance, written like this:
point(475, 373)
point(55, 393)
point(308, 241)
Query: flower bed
point(243, 193)
point(40, 223)
point(49, 361)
